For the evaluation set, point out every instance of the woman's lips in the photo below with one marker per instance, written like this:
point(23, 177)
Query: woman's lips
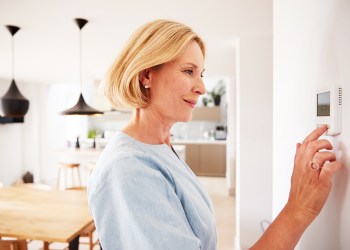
point(192, 103)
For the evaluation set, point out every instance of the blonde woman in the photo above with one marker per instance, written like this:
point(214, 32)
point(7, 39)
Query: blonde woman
point(141, 194)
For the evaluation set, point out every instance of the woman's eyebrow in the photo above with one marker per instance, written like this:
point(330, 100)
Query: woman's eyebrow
point(191, 64)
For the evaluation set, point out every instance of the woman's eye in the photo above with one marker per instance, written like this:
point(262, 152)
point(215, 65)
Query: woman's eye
point(189, 71)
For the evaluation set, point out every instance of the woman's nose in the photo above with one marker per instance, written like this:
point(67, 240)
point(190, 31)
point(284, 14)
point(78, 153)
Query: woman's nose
point(199, 87)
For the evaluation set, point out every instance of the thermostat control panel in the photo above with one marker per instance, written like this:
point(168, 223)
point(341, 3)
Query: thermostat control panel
point(329, 109)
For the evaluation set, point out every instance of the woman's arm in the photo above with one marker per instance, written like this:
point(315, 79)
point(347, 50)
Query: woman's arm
point(309, 191)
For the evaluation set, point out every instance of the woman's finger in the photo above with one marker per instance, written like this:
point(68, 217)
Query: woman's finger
point(296, 150)
point(328, 171)
point(314, 135)
point(321, 157)
point(314, 146)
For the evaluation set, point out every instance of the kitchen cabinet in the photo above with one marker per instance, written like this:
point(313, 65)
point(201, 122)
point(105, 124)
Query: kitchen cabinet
point(207, 159)
point(207, 114)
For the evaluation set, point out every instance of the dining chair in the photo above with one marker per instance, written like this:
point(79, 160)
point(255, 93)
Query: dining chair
point(13, 244)
point(65, 169)
point(88, 231)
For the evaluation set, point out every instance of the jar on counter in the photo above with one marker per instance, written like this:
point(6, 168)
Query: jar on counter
point(220, 133)
point(28, 177)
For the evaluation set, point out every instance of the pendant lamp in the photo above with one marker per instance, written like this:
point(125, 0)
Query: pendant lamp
point(14, 104)
point(81, 108)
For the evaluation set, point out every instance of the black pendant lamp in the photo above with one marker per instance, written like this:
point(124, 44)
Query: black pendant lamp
point(14, 104)
point(81, 108)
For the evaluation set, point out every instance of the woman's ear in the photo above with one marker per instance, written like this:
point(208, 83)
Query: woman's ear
point(144, 77)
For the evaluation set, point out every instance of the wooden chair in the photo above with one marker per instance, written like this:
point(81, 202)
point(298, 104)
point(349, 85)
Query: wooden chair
point(72, 168)
point(13, 245)
point(89, 230)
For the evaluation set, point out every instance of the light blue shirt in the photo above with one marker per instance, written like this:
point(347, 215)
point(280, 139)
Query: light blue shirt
point(143, 197)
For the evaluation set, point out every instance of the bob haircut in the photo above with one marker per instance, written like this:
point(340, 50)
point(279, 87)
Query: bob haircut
point(152, 45)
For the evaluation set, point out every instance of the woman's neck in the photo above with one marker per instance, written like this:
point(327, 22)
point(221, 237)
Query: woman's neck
point(148, 127)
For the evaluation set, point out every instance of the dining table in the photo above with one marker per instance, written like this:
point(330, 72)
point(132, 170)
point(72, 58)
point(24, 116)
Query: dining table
point(44, 215)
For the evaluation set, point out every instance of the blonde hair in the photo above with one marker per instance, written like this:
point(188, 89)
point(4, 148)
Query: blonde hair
point(152, 45)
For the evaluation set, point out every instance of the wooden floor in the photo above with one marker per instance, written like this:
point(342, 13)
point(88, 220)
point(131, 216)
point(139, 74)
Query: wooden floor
point(224, 206)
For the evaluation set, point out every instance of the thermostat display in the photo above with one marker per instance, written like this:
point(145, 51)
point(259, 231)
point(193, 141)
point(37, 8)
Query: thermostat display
point(329, 103)
point(324, 104)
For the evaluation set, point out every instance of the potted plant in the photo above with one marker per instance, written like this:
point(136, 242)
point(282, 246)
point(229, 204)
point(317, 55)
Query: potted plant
point(92, 133)
point(205, 101)
point(218, 91)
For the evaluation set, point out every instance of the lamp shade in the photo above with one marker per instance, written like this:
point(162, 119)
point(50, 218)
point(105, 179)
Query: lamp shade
point(13, 103)
point(81, 108)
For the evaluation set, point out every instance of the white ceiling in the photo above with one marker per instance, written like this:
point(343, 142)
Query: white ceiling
point(47, 46)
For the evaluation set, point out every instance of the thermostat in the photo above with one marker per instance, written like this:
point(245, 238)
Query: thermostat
point(329, 106)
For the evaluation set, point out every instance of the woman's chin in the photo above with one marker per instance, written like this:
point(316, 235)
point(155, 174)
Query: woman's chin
point(186, 119)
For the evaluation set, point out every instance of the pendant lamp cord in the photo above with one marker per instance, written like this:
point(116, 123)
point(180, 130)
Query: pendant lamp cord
point(80, 60)
point(13, 64)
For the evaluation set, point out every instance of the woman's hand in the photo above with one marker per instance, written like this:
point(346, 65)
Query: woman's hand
point(314, 166)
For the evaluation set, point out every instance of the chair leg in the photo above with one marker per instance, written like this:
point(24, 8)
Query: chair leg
point(65, 178)
point(46, 245)
point(58, 179)
point(79, 176)
point(91, 241)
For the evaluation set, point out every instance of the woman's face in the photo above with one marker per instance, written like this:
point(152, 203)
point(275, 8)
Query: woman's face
point(175, 86)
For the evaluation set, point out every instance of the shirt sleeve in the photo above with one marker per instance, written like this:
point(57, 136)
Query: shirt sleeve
point(136, 207)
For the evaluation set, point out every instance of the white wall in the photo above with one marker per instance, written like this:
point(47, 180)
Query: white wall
point(32, 145)
point(12, 143)
point(254, 137)
point(311, 49)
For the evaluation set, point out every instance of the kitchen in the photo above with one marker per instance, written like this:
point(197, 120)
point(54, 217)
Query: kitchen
point(52, 89)
point(204, 136)
point(264, 54)
point(50, 81)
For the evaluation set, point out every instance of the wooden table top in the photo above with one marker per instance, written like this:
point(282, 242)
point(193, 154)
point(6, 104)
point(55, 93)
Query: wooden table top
point(51, 216)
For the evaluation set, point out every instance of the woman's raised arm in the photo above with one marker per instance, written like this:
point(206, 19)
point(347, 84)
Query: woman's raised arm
point(314, 166)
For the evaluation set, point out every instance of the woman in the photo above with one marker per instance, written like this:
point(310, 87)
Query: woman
point(142, 195)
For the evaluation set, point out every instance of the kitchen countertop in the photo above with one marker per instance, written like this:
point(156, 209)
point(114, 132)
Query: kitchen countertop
point(95, 151)
point(82, 151)
point(91, 154)
point(200, 141)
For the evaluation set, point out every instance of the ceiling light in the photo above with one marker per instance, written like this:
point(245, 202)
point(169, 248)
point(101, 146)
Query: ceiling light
point(81, 108)
point(14, 104)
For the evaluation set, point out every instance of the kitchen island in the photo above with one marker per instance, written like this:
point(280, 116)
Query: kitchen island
point(205, 157)
point(87, 158)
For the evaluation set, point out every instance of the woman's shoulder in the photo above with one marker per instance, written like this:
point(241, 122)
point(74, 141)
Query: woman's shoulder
point(124, 158)
point(123, 153)
point(120, 144)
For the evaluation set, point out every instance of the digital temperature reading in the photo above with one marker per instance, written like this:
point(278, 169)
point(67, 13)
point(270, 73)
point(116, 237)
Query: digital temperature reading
point(324, 104)
point(329, 104)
